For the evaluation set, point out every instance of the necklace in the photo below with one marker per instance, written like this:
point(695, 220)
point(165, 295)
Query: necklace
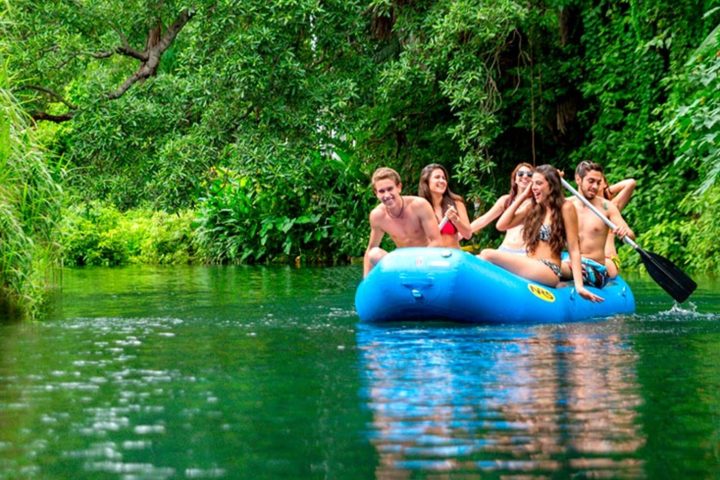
point(402, 201)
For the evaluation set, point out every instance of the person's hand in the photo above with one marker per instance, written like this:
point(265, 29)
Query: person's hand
point(452, 215)
point(526, 193)
point(588, 295)
point(621, 232)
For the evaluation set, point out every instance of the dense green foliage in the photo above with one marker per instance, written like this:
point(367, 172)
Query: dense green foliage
point(96, 234)
point(252, 216)
point(29, 206)
point(266, 118)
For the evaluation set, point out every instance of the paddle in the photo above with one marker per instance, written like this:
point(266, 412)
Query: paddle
point(673, 280)
point(445, 218)
point(443, 222)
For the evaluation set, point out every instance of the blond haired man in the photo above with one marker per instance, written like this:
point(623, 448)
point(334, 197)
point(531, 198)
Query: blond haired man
point(409, 220)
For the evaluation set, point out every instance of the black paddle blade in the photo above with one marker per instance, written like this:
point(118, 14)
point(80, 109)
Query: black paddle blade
point(673, 280)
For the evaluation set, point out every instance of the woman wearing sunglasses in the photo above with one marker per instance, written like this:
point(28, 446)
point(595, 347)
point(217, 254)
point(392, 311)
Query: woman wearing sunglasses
point(513, 241)
point(549, 225)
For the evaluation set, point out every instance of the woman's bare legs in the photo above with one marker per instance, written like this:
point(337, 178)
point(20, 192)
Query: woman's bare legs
point(526, 267)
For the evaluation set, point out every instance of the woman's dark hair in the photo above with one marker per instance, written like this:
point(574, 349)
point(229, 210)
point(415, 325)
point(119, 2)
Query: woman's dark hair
point(534, 219)
point(513, 183)
point(449, 198)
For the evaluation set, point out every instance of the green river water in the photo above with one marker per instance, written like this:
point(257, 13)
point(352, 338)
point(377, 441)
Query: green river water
point(263, 373)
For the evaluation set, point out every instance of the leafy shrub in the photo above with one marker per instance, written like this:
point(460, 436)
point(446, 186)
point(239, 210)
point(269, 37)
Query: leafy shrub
point(29, 202)
point(306, 213)
point(702, 230)
point(97, 234)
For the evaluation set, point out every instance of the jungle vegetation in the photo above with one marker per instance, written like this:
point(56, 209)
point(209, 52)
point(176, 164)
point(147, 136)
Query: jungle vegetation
point(246, 130)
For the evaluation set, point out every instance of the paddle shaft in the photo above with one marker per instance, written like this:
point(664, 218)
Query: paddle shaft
point(597, 212)
point(673, 280)
point(445, 219)
point(443, 222)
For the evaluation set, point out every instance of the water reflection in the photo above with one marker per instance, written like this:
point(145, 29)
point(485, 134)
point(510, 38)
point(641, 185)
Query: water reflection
point(545, 400)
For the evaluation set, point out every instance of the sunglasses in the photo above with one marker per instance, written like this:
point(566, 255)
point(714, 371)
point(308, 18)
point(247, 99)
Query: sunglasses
point(524, 174)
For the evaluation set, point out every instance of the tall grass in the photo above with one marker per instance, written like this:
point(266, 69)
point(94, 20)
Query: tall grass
point(30, 201)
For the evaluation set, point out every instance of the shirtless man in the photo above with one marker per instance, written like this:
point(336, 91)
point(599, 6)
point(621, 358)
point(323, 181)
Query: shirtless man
point(592, 231)
point(409, 220)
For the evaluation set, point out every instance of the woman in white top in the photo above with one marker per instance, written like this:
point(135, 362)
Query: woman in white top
point(513, 241)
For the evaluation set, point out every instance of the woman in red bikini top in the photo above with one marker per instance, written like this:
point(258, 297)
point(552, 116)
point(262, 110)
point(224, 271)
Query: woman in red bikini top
point(449, 207)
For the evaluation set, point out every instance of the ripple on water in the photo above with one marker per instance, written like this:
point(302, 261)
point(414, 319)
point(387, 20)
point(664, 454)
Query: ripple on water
point(197, 384)
point(143, 470)
point(681, 312)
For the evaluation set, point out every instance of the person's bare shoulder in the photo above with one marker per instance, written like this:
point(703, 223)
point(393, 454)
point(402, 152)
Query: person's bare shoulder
point(571, 204)
point(416, 203)
point(377, 215)
point(414, 199)
point(574, 201)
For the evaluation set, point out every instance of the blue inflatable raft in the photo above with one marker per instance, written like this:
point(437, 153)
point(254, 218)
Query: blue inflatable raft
point(447, 284)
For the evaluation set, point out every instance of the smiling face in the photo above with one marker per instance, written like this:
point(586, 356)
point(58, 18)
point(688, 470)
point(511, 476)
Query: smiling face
point(591, 184)
point(540, 187)
point(523, 176)
point(437, 181)
point(387, 191)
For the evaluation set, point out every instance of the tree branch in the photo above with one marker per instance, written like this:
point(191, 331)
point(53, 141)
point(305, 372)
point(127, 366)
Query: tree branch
point(128, 51)
point(52, 93)
point(64, 117)
point(37, 116)
point(137, 76)
point(153, 52)
point(175, 28)
point(123, 49)
point(155, 47)
point(107, 54)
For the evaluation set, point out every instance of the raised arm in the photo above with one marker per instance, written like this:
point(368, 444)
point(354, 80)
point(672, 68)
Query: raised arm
point(570, 220)
point(516, 212)
point(484, 220)
point(461, 221)
point(621, 192)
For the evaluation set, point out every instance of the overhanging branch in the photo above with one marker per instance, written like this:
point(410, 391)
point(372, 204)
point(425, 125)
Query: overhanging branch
point(41, 115)
point(53, 94)
point(154, 50)
point(156, 45)
point(37, 116)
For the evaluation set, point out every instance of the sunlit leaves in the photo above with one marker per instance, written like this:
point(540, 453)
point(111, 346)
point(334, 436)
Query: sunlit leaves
point(29, 202)
point(696, 124)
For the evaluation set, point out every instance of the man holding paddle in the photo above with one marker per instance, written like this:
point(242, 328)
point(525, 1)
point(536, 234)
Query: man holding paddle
point(592, 230)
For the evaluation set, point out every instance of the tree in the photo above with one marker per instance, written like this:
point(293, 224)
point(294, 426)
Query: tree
point(76, 36)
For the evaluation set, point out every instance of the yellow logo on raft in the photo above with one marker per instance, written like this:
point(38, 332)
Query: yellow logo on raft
point(541, 293)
